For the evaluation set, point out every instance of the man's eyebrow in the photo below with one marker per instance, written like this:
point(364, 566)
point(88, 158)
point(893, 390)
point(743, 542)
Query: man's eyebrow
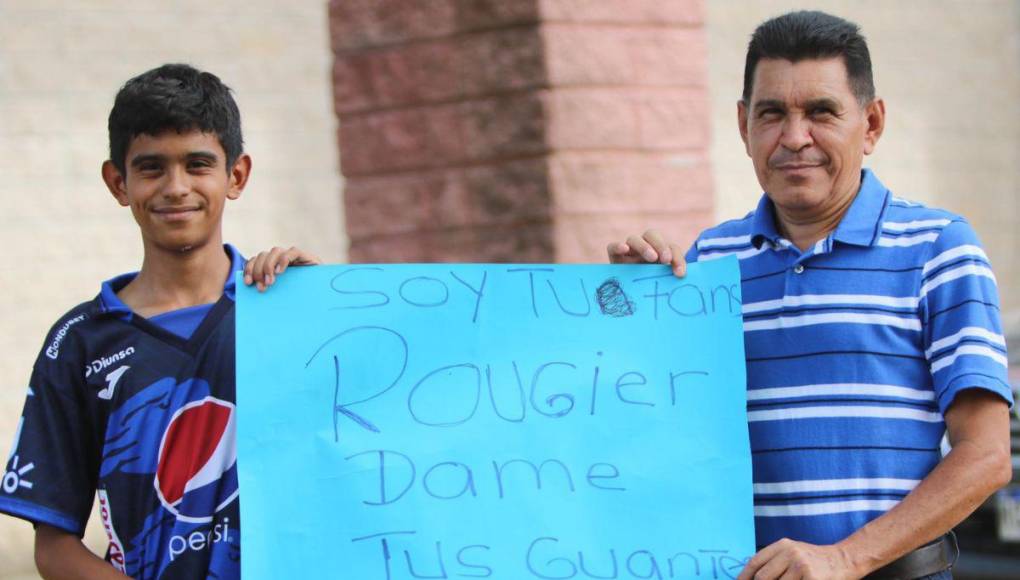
point(769, 104)
point(824, 103)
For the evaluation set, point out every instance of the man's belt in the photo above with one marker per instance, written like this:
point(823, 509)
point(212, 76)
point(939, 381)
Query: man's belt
point(928, 559)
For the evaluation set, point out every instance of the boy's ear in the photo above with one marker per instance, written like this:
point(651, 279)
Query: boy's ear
point(115, 182)
point(239, 174)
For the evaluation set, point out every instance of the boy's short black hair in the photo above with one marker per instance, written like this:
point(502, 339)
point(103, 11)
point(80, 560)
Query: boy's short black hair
point(808, 35)
point(174, 97)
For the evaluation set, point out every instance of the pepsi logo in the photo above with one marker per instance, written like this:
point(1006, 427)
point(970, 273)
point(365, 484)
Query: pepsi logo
point(197, 451)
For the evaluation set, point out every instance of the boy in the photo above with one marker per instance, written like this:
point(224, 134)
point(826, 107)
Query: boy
point(132, 396)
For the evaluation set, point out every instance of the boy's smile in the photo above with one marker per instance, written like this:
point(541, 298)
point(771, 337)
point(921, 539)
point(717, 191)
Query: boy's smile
point(176, 185)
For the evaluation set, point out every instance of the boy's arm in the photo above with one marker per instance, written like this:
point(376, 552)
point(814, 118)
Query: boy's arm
point(263, 268)
point(59, 554)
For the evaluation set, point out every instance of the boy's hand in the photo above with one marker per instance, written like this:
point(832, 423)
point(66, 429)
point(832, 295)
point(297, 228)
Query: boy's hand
point(649, 247)
point(263, 268)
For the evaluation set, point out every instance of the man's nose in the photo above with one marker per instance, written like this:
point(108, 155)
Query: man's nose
point(796, 133)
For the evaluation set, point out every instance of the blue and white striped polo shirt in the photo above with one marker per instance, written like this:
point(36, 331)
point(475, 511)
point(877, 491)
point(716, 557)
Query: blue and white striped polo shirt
point(855, 349)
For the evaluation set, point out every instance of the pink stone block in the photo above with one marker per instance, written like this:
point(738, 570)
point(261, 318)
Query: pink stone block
point(438, 71)
point(390, 140)
point(658, 12)
point(616, 183)
point(590, 119)
point(509, 192)
point(486, 14)
point(584, 239)
point(398, 76)
point(401, 140)
point(674, 119)
point(448, 202)
point(500, 127)
point(494, 244)
point(444, 135)
point(501, 60)
point(491, 244)
point(386, 249)
point(669, 57)
point(599, 55)
point(359, 24)
point(353, 83)
point(627, 118)
point(587, 56)
point(500, 194)
point(377, 206)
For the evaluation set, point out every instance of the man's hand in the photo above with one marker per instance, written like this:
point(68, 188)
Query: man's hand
point(263, 269)
point(792, 560)
point(650, 247)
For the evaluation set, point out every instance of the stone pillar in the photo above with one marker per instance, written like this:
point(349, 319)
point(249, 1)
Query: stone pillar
point(519, 130)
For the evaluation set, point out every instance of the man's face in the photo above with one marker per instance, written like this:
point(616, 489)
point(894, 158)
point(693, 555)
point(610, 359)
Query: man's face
point(807, 134)
point(176, 185)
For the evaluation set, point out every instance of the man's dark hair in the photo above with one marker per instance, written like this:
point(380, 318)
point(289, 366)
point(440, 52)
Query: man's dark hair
point(174, 97)
point(812, 35)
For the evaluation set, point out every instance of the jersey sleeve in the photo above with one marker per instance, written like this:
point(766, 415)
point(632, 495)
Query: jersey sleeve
point(51, 474)
point(963, 339)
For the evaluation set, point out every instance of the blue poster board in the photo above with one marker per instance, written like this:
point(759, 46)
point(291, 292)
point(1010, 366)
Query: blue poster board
point(494, 421)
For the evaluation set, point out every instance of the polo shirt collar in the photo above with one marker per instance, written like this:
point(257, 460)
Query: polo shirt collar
point(763, 225)
point(860, 226)
point(862, 223)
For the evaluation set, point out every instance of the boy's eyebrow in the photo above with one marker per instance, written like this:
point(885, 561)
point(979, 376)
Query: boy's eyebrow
point(152, 157)
point(208, 155)
point(158, 158)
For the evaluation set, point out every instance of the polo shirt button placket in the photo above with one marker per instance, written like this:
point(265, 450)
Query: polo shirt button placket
point(798, 269)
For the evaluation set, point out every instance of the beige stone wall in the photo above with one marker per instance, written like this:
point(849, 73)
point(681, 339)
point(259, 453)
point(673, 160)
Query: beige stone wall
point(949, 71)
point(61, 62)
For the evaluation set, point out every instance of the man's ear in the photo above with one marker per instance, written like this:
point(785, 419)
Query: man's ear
point(874, 115)
point(239, 174)
point(742, 123)
point(115, 182)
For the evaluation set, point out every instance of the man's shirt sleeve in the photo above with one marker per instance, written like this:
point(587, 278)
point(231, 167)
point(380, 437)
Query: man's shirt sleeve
point(959, 302)
point(692, 253)
point(50, 477)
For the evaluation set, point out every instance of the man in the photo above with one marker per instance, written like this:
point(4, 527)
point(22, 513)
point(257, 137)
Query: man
point(871, 327)
point(132, 397)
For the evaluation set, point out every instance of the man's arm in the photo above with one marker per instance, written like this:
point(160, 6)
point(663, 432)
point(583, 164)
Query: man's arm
point(649, 247)
point(59, 554)
point(978, 427)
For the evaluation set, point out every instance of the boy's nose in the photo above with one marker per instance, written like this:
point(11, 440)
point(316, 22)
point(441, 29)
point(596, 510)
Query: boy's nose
point(177, 183)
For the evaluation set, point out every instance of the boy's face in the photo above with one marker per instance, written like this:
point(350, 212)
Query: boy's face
point(176, 185)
